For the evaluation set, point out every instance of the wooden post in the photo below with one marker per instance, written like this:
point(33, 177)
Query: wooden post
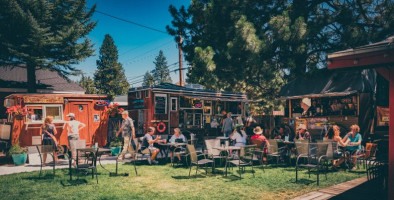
point(289, 108)
point(391, 138)
point(180, 61)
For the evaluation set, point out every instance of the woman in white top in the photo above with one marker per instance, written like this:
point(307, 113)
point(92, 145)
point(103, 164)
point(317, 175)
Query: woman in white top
point(178, 137)
point(73, 127)
point(239, 136)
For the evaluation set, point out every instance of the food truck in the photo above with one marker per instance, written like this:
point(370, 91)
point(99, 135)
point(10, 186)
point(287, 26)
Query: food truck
point(168, 106)
point(88, 109)
point(343, 98)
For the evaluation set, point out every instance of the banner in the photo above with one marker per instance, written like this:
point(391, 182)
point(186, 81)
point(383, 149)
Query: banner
point(383, 116)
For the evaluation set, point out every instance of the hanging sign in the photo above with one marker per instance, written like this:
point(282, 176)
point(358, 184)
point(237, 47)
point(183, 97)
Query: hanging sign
point(138, 103)
point(43, 100)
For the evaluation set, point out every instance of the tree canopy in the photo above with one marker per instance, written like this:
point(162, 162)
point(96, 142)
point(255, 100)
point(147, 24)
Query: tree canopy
point(256, 46)
point(87, 83)
point(45, 34)
point(161, 73)
point(148, 79)
point(109, 77)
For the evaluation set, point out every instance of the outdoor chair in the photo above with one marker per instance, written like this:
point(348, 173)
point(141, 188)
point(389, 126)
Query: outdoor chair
point(194, 159)
point(274, 150)
point(40, 150)
point(313, 156)
point(213, 153)
point(368, 155)
point(88, 156)
point(133, 155)
point(138, 153)
point(246, 157)
point(261, 148)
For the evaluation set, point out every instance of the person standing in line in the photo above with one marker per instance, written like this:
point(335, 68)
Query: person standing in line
point(73, 127)
point(228, 125)
point(48, 131)
point(128, 134)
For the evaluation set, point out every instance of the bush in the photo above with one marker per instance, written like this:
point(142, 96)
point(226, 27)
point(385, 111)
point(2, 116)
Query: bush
point(16, 149)
point(116, 143)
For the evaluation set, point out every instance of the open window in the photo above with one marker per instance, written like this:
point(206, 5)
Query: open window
point(39, 112)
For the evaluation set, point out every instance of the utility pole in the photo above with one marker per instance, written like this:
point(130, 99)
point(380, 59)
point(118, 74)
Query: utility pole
point(180, 61)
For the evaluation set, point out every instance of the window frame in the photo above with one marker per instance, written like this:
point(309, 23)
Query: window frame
point(166, 104)
point(176, 104)
point(44, 112)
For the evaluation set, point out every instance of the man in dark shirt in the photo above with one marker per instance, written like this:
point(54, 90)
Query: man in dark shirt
point(147, 145)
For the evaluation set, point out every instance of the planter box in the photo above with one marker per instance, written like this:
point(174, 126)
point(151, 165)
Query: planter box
point(115, 151)
point(19, 159)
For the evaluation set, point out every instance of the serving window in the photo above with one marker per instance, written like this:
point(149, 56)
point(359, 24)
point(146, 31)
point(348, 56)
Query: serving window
point(40, 112)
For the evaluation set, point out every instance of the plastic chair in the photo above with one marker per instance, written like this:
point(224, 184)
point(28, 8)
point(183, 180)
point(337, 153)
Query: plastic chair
point(313, 154)
point(194, 159)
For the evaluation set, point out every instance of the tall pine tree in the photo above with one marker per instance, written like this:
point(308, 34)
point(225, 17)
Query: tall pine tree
point(256, 46)
point(148, 79)
point(161, 73)
point(87, 83)
point(44, 34)
point(109, 77)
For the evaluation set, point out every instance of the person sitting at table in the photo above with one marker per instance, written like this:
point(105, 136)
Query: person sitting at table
point(302, 133)
point(178, 137)
point(258, 135)
point(239, 136)
point(352, 141)
point(147, 145)
point(280, 133)
point(334, 134)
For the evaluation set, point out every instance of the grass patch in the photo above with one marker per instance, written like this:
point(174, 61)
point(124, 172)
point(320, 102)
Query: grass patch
point(166, 182)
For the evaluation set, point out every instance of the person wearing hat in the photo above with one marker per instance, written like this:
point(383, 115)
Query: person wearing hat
point(239, 136)
point(128, 133)
point(258, 135)
point(73, 127)
point(302, 133)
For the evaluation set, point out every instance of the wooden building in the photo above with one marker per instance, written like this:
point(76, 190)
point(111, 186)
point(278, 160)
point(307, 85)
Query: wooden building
point(341, 98)
point(378, 56)
point(88, 109)
point(168, 106)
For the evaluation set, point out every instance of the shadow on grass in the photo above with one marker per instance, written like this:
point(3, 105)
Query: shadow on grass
point(303, 181)
point(187, 177)
point(43, 177)
point(76, 182)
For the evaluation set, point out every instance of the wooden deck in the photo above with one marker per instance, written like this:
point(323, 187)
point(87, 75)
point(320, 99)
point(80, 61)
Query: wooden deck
point(329, 192)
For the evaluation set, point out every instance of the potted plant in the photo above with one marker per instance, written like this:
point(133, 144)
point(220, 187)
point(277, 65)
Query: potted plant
point(19, 154)
point(18, 112)
point(115, 146)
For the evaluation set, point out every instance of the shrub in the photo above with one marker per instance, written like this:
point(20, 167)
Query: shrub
point(16, 149)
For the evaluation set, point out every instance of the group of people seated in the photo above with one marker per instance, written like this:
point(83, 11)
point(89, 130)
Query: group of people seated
point(349, 146)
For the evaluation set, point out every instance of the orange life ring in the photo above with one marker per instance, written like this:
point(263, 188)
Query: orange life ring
point(161, 127)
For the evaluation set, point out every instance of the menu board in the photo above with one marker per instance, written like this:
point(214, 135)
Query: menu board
point(160, 104)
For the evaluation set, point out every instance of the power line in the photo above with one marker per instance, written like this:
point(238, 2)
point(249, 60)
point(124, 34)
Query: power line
point(131, 22)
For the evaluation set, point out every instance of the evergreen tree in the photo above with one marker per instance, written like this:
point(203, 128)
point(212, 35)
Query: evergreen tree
point(44, 34)
point(161, 73)
point(256, 46)
point(87, 83)
point(109, 77)
point(148, 79)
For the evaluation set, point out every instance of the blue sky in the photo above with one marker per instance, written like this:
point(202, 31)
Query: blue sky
point(137, 46)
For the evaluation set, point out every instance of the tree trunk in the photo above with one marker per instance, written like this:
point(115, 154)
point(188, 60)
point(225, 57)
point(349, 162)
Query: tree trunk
point(31, 78)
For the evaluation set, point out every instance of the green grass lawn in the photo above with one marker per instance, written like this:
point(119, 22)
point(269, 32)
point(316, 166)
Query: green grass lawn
point(166, 182)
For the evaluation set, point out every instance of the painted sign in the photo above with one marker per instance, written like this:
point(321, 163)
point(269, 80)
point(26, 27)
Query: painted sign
point(160, 104)
point(138, 103)
point(43, 100)
point(383, 116)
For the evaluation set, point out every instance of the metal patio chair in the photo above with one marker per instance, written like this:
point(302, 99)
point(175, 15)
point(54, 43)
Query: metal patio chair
point(314, 155)
point(194, 159)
